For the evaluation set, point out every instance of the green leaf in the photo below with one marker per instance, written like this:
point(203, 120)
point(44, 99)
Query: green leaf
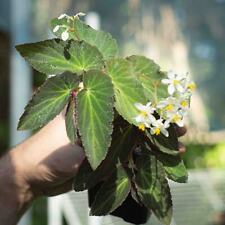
point(83, 174)
point(127, 88)
point(56, 56)
point(95, 115)
point(153, 188)
point(148, 73)
point(48, 101)
point(168, 145)
point(71, 126)
point(173, 164)
point(122, 144)
point(102, 40)
point(112, 193)
point(174, 168)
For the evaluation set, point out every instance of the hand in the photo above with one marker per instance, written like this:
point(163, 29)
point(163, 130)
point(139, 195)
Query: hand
point(181, 131)
point(43, 165)
point(51, 160)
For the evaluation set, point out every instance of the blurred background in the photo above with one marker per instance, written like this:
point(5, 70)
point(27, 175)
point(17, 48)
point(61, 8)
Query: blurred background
point(182, 35)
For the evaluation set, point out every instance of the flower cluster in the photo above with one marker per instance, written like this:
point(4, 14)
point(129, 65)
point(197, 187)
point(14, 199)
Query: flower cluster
point(172, 109)
point(66, 27)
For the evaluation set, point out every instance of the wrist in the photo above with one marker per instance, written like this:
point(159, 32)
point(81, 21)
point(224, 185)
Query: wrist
point(15, 194)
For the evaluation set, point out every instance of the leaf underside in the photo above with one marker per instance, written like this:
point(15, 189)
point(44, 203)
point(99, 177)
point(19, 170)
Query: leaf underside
point(95, 115)
point(56, 56)
point(48, 101)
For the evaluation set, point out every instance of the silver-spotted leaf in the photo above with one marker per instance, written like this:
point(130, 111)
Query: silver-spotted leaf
point(112, 193)
point(152, 187)
point(56, 56)
point(95, 115)
point(48, 101)
point(127, 88)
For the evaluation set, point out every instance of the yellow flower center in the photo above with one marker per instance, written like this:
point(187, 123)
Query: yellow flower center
point(184, 103)
point(143, 113)
point(169, 107)
point(191, 86)
point(176, 118)
point(176, 82)
point(142, 127)
point(157, 131)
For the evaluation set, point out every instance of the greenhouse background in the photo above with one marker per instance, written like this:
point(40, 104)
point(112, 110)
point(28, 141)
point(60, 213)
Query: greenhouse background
point(182, 35)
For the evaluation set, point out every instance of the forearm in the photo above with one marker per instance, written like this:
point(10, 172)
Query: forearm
point(15, 193)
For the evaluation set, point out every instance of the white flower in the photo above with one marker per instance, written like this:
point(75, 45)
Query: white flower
point(62, 16)
point(159, 127)
point(183, 101)
point(56, 28)
point(176, 117)
point(169, 104)
point(65, 35)
point(81, 86)
point(145, 117)
point(190, 86)
point(80, 14)
point(174, 82)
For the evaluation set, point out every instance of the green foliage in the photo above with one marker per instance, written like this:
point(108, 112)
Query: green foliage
point(149, 74)
point(56, 56)
point(105, 43)
point(95, 115)
point(112, 193)
point(102, 40)
point(48, 101)
point(127, 88)
point(123, 140)
point(205, 156)
point(99, 92)
point(153, 188)
point(173, 164)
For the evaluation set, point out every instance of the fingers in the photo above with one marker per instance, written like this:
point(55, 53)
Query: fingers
point(57, 190)
point(181, 148)
point(181, 131)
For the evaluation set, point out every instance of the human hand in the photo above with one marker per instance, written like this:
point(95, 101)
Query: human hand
point(181, 131)
point(51, 160)
point(43, 165)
